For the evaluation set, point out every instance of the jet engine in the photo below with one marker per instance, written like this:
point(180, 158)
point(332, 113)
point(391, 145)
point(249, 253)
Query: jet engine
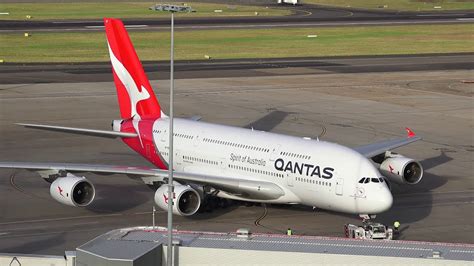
point(400, 169)
point(186, 199)
point(72, 190)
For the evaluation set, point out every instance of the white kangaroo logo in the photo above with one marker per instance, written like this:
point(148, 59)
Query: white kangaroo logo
point(131, 87)
point(135, 95)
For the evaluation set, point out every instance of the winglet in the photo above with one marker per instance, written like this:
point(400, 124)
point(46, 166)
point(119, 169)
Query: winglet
point(410, 133)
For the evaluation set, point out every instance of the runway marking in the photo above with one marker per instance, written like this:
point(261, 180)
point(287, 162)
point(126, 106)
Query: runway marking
point(440, 15)
point(15, 186)
point(323, 132)
point(308, 13)
point(4, 233)
point(350, 14)
point(126, 26)
point(73, 22)
point(259, 219)
point(313, 24)
point(276, 25)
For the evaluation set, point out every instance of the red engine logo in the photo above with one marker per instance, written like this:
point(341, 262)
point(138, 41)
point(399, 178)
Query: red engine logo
point(60, 191)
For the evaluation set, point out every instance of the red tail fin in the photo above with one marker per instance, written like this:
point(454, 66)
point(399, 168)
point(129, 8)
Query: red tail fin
point(135, 95)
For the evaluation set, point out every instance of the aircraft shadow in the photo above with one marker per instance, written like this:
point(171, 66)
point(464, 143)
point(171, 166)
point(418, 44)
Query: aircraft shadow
point(415, 202)
point(117, 198)
point(269, 121)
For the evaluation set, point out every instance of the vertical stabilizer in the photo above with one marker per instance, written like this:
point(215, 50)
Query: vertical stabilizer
point(135, 95)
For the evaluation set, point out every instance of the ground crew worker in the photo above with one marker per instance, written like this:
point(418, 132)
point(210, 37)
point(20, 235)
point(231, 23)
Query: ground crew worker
point(396, 226)
point(289, 232)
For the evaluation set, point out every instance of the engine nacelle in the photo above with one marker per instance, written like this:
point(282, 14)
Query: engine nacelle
point(72, 190)
point(401, 170)
point(186, 200)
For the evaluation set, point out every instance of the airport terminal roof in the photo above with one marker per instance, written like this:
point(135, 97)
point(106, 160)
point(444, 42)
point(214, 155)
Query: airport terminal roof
point(130, 243)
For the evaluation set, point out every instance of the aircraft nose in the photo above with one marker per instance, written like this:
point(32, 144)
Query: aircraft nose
point(385, 200)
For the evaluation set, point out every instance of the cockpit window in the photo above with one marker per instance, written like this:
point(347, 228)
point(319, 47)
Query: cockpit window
point(365, 180)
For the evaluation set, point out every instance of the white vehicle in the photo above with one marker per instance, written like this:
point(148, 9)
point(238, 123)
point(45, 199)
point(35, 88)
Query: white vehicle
point(173, 8)
point(224, 161)
point(368, 231)
point(292, 2)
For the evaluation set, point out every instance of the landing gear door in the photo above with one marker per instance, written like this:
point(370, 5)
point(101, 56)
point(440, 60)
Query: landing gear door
point(339, 186)
point(289, 179)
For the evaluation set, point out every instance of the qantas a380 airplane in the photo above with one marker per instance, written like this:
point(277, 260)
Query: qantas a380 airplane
point(224, 161)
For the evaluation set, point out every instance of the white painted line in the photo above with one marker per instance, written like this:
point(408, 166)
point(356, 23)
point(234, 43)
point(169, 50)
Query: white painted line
point(74, 22)
point(136, 26)
point(4, 233)
point(126, 26)
point(277, 25)
point(5, 13)
point(440, 15)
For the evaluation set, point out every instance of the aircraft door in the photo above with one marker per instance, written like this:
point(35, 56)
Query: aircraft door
point(164, 135)
point(197, 138)
point(178, 160)
point(275, 152)
point(339, 186)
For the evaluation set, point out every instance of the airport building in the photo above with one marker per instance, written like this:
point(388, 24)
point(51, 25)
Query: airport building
point(140, 246)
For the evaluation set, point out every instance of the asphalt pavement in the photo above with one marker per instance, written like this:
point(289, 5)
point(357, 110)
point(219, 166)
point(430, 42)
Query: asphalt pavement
point(348, 107)
point(303, 16)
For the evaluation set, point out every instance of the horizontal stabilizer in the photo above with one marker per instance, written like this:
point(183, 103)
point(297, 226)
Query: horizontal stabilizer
point(82, 131)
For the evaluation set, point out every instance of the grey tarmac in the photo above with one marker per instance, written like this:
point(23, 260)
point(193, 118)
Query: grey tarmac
point(348, 108)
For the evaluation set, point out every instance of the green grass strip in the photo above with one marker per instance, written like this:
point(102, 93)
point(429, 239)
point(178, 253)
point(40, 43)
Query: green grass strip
point(255, 43)
point(98, 10)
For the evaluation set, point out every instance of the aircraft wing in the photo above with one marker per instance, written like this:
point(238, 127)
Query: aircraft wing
point(374, 149)
point(253, 189)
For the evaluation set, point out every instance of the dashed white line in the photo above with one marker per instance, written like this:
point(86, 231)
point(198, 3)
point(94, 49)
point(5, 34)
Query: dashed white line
point(126, 26)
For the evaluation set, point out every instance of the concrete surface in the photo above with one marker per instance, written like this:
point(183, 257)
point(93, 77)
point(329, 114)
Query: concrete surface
point(349, 108)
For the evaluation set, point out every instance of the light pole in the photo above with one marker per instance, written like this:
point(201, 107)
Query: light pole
point(169, 260)
point(172, 9)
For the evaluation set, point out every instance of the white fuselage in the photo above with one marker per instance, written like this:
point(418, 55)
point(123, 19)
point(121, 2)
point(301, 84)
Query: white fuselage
point(311, 172)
